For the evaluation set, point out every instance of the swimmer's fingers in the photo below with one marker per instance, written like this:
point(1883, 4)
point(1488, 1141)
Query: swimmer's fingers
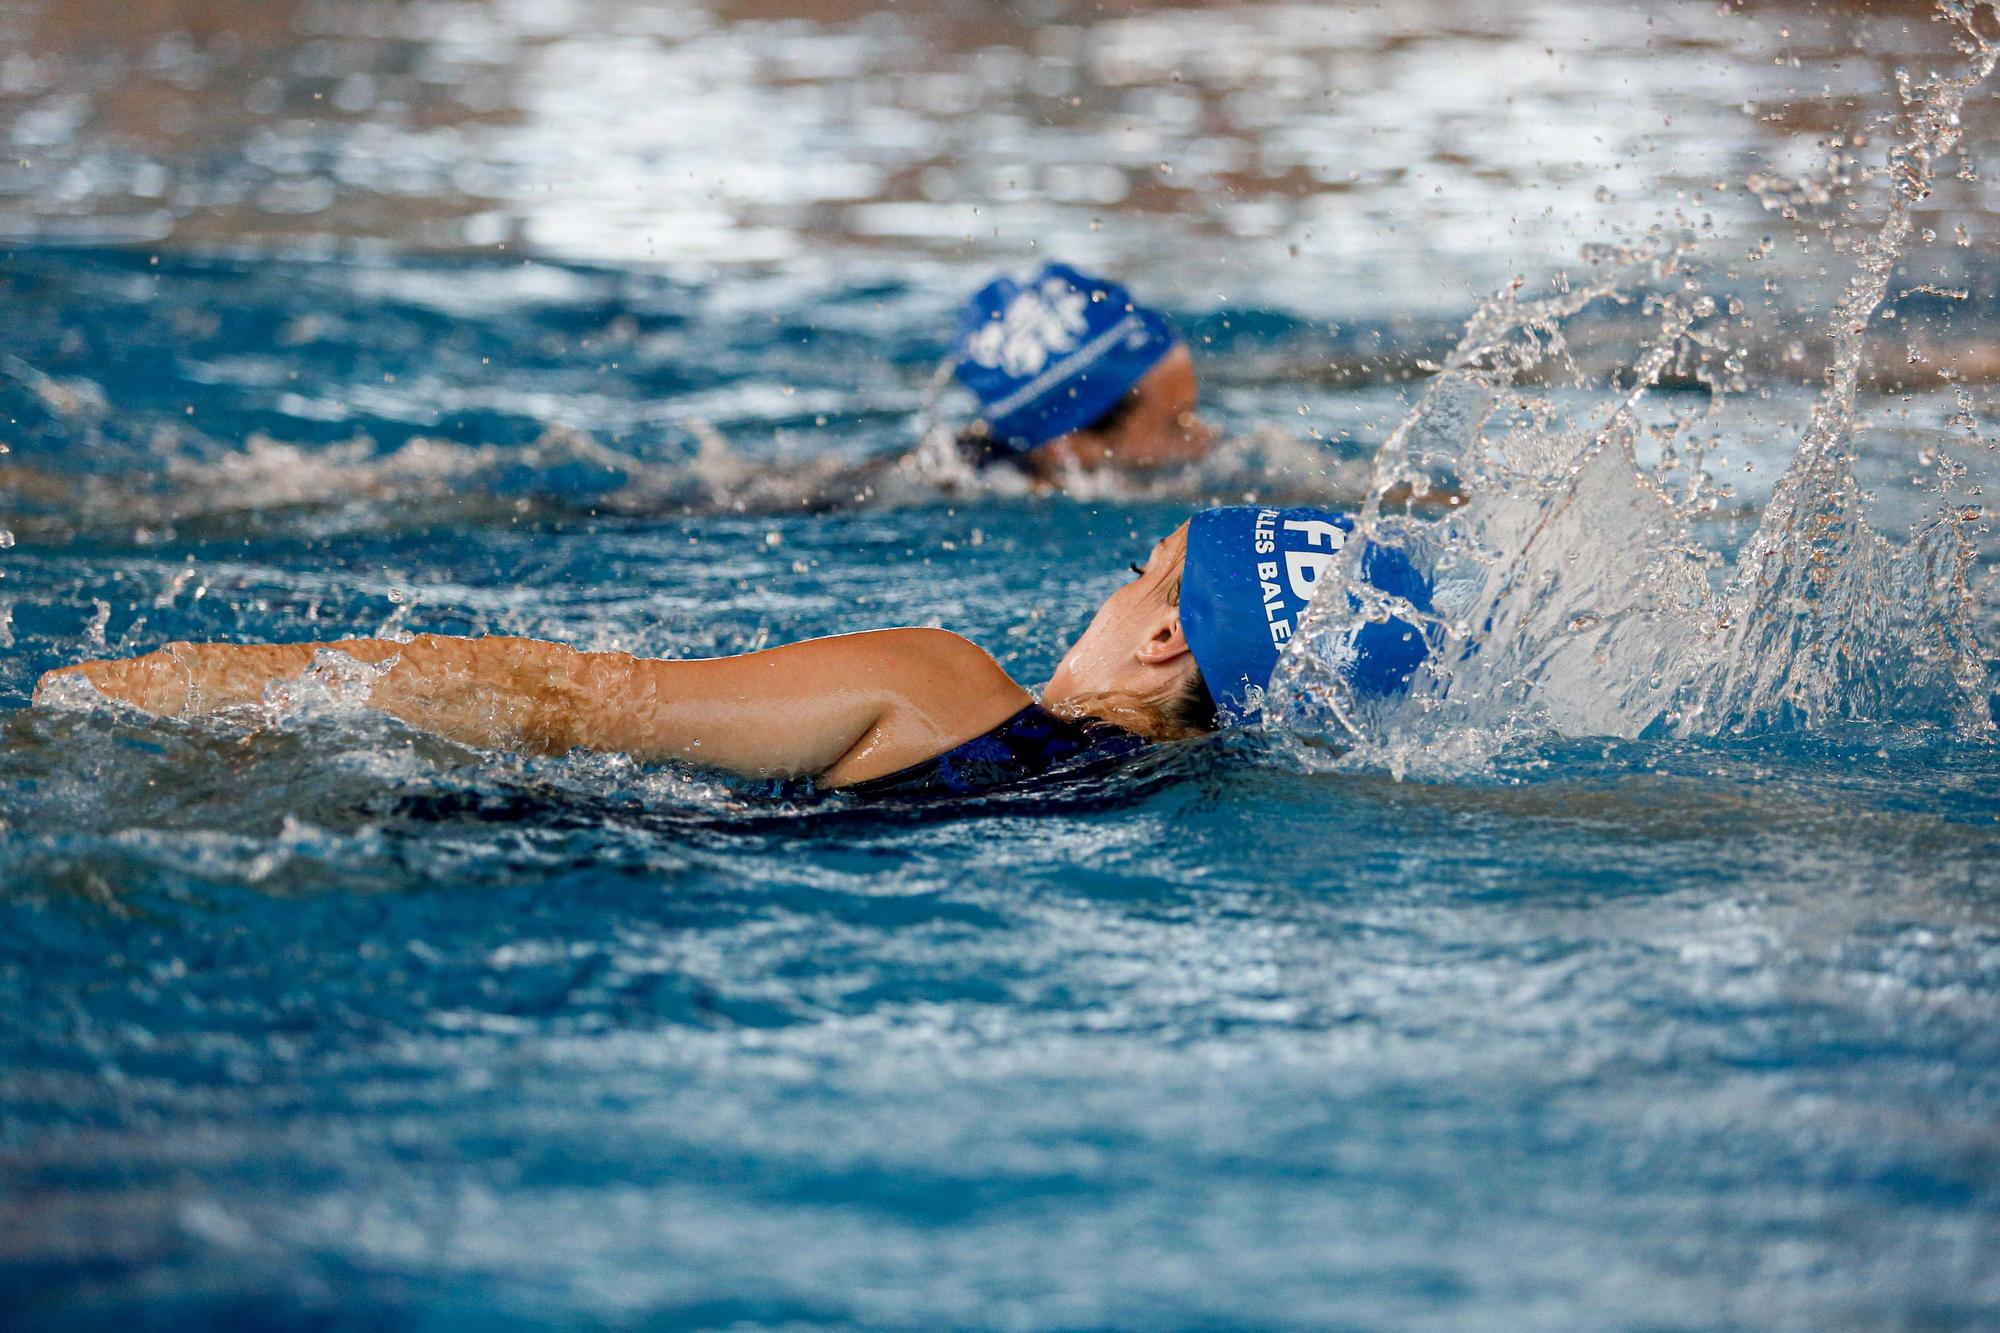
point(188, 679)
point(50, 681)
point(151, 682)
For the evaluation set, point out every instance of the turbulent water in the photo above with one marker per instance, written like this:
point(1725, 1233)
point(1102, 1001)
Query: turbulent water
point(1642, 970)
point(1581, 599)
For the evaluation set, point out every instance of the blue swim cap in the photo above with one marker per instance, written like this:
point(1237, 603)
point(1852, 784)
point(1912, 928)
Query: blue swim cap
point(1054, 354)
point(1249, 575)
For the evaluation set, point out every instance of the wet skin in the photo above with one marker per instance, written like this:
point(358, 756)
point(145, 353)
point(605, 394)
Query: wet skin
point(1133, 647)
point(1160, 428)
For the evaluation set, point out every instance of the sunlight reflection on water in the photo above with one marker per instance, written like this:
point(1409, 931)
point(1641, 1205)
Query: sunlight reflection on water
point(1399, 155)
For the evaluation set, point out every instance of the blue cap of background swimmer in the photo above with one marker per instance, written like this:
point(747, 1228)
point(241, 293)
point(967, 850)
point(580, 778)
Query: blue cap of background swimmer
point(1249, 576)
point(1053, 354)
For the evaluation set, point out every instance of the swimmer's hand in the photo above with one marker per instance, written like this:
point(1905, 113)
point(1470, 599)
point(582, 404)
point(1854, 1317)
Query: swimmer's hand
point(843, 709)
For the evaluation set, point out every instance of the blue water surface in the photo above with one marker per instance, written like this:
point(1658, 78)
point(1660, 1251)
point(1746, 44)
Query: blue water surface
point(325, 1023)
point(334, 319)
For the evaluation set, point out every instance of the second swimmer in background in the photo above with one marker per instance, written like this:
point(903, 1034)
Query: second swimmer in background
point(1068, 376)
point(1071, 374)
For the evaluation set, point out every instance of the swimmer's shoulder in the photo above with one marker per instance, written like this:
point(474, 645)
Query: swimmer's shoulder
point(943, 680)
point(943, 661)
point(943, 690)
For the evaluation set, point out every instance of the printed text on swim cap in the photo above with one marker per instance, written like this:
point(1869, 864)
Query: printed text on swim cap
point(1302, 568)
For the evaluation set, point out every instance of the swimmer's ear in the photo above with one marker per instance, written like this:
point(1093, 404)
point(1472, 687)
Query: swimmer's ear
point(1164, 644)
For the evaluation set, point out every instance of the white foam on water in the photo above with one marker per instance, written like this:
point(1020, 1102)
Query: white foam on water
point(1577, 594)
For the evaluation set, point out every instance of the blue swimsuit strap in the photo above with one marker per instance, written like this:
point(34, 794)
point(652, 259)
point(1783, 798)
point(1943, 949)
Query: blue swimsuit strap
point(1027, 746)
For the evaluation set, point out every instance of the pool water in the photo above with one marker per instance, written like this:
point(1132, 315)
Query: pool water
point(327, 1019)
point(311, 1020)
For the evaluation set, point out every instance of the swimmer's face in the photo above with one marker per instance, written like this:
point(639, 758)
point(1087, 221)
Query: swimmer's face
point(1157, 428)
point(1133, 647)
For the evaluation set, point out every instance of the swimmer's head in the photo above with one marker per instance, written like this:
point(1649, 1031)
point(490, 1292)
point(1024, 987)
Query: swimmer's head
point(1132, 665)
point(1071, 371)
point(1190, 644)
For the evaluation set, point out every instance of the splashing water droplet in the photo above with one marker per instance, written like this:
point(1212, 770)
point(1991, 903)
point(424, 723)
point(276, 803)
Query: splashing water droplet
point(1573, 596)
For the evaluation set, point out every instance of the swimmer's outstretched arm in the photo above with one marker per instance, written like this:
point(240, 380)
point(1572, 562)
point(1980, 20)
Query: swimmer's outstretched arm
point(843, 709)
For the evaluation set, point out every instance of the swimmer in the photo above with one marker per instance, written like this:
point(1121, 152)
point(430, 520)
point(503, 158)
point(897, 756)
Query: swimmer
point(1068, 374)
point(1072, 375)
point(1185, 648)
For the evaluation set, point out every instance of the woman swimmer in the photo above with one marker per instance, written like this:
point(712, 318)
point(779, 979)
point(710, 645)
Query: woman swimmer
point(1185, 647)
point(1068, 374)
point(1072, 374)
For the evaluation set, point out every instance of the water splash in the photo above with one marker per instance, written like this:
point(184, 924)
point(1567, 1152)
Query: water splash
point(1577, 594)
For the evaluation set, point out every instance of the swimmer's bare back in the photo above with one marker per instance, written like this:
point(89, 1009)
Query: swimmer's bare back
point(841, 709)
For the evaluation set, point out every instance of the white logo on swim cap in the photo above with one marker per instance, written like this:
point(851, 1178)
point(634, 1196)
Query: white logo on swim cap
point(1303, 568)
point(1035, 326)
